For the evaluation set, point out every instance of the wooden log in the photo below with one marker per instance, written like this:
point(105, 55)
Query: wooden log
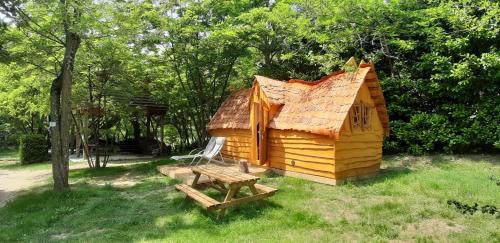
point(244, 166)
point(230, 194)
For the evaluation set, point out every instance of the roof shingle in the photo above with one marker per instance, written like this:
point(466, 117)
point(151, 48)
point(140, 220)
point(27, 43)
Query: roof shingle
point(322, 107)
point(233, 113)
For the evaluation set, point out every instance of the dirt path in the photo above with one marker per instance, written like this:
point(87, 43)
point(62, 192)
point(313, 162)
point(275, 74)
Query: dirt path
point(14, 181)
point(11, 182)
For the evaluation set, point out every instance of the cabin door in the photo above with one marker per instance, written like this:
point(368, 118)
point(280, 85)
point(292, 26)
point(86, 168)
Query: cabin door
point(263, 117)
point(260, 116)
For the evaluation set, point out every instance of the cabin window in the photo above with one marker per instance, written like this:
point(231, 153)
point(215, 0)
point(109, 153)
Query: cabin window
point(361, 116)
point(356, 116)
point(365, 116)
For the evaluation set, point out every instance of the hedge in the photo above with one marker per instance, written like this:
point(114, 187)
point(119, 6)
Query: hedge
point(33, 148)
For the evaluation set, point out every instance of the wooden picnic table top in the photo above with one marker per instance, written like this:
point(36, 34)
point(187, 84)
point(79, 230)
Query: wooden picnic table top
point(226, 175)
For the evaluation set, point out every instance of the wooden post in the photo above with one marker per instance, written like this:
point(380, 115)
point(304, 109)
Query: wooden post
point(162, 136)
point(243, 166)
point(84, 132)
point(230, 194)
point(78, 144)
point(148, 125)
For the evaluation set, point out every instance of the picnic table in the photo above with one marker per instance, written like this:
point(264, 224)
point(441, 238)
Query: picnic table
point(225, 180)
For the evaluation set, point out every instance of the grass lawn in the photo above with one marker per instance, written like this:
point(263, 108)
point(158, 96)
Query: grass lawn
point(16, 165)
point(406, 201)
point(8, 154)
point(9, 160)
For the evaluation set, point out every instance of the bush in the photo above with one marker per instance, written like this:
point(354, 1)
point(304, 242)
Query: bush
point(33, 148)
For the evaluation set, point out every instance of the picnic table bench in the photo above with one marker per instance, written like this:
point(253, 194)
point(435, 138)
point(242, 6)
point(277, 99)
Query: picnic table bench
point(227, 181)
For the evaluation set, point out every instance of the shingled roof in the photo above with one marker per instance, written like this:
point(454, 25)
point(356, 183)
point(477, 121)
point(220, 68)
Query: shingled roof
point(234, 112)
point(274, 89)
point(322, 107)
point(318, 107)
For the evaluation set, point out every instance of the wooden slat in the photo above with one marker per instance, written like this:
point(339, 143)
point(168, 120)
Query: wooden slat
point(276, 133)
point(304, 140)
point(237, 144)
point(300, 144)
point(235, 156)
point(370, 75)
point(215, 175)
point(236, 148)
point(352, 158)
point(320, 154)
point(303, 158)
point(204, 200)
point(358, 171)
point(372, 149)
point(237, 201)
point(286, 167)
point(238, 139)
point(224, 175)
point(304, 164)
point(355, 165)
point(240, 155)
point(265, 189)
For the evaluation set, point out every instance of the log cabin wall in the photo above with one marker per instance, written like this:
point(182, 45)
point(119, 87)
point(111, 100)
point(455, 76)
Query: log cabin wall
point(301, 152)
point(237, 145)
point(359, 150)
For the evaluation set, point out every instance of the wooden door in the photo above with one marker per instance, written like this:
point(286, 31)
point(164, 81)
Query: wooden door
point(259, 120)
point(255, 126)
point(263, 124)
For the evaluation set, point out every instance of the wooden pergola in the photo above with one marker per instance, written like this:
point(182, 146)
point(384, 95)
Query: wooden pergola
point(144, 102)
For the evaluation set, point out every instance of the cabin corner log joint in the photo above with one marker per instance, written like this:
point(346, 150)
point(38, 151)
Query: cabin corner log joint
point(325, 130)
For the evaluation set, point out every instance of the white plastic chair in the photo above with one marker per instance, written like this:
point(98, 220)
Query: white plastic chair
point(212, 149)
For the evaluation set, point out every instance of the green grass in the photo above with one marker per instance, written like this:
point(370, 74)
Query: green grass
point(406, 201)
point(16, 165)
point(9, 160)
point(8, 154)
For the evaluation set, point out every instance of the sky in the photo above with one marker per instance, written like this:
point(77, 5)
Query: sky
point(5, 19)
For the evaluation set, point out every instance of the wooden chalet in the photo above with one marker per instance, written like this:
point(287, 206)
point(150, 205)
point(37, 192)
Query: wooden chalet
point(326, 130)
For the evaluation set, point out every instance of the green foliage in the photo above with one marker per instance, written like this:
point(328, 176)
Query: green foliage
point(33, 148)
point(438, 61)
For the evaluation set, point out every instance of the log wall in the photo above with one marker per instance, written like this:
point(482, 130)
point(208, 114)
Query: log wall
point(301, 152)
point(359, 150)
point(237, 146)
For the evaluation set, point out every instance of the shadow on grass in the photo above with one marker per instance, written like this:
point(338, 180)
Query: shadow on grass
point(383, 175)
point(251, 210)
point(96, 213)
point(142, 168)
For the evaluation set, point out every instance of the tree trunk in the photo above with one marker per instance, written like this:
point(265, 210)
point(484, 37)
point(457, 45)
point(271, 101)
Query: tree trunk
point(162, 135)
point(60, 106)
point(136, 126)
point(148, 126)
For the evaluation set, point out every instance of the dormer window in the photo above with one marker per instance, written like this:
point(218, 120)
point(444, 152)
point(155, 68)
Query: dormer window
point(365, 116)
point(356, 116)
point(361, 116)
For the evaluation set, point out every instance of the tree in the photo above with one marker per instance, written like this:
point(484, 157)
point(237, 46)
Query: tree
point(66, 16)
